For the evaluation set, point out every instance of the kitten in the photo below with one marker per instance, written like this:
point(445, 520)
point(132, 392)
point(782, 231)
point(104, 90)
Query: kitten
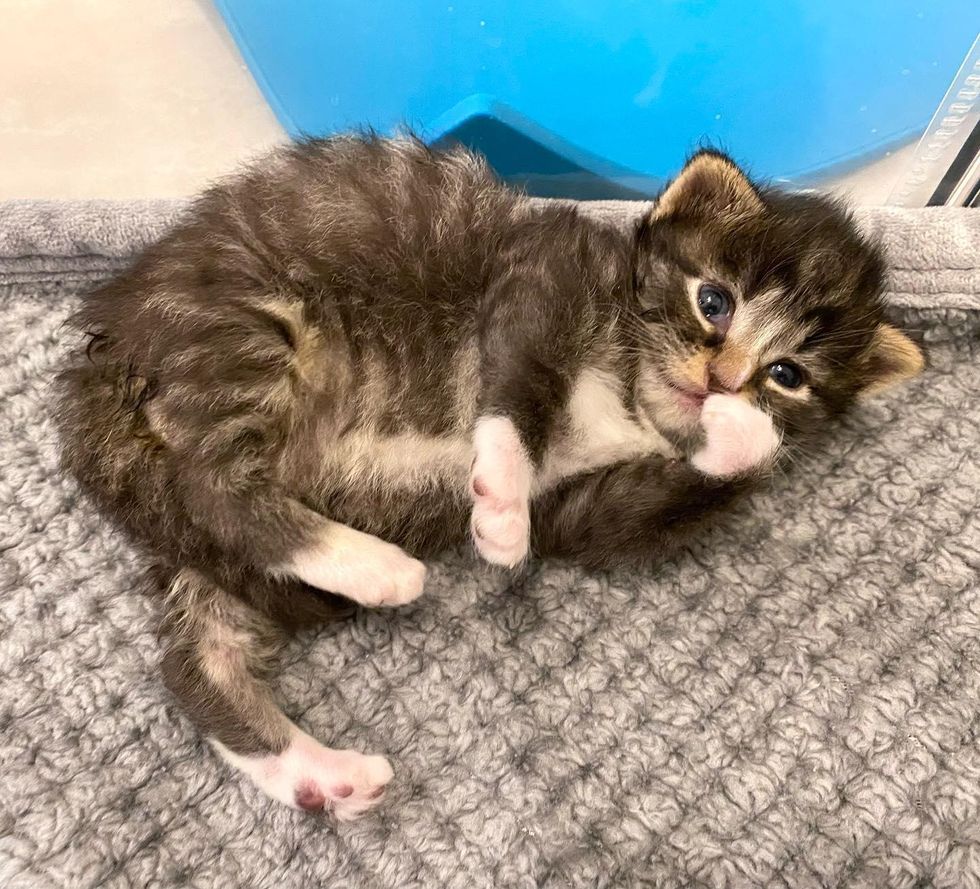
point(362, 351)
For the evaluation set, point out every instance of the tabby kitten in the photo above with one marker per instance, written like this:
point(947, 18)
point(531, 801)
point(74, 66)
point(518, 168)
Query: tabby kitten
point(362, 349)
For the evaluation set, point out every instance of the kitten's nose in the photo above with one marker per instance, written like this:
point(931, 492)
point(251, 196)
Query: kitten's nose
point(717, 385)
point(727, 375)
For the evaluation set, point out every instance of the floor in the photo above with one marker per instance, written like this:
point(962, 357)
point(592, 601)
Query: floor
point(149, 98)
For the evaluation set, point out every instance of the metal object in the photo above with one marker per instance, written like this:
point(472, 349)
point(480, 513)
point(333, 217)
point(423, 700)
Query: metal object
point(945, 169)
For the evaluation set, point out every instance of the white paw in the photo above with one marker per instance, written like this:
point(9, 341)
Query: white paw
point(738, 437)
point(501, 530)
point(360, 567)
point(392, 578)
point(500, 483)
point(309, 776)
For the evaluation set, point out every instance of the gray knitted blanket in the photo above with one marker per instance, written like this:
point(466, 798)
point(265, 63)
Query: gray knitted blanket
point(794, 702)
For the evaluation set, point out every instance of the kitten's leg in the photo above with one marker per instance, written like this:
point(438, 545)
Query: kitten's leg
point(629, 513)
point(356, 565)
point(224, 414)
point(528, 357)
point(738, 437)
point(266, 528)
point(500, 484)
point(218, 649)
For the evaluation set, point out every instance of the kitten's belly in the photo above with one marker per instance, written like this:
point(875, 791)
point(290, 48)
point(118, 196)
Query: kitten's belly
point(578, 453)
point(599, 431)
point(406, 461)
point(411, 463)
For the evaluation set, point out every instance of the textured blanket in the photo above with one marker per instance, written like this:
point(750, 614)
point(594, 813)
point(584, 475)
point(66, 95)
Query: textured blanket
point(793, 702)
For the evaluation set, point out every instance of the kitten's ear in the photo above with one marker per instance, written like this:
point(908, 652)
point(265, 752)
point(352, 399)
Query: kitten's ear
point(891, 358)
point(710, 184)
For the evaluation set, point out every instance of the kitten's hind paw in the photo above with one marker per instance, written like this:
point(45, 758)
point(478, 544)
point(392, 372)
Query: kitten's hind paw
point(314, 778)
point(361, 567)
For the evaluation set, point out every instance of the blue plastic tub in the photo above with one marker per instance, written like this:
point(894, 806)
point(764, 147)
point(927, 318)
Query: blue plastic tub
point(588, 98)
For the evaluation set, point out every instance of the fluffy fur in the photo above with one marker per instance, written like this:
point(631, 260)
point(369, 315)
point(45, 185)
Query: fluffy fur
point(280, 398)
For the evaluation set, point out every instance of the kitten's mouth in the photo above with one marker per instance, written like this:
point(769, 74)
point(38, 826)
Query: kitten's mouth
point(690, 398)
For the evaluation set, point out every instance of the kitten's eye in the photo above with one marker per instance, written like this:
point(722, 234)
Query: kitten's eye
point(713, 302)
point(786, 374)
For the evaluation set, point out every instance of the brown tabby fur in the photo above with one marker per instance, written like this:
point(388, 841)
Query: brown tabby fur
point(317, 321)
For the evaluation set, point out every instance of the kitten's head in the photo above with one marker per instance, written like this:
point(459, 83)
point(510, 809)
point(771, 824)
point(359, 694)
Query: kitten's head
point(774, 296)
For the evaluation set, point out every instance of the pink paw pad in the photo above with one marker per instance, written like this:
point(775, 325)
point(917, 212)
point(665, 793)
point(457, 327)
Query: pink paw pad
point(313, 778)
point(500, 482)
point(310, 798)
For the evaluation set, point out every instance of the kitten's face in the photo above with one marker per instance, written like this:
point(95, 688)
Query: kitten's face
point(772, 296)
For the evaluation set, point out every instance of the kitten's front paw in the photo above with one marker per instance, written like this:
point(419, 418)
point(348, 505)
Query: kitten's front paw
point(738, 437)
point(501, 530)
point(500, 483)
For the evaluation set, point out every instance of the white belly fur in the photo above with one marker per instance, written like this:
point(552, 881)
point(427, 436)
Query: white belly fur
point(406, 461)
point(599, 431)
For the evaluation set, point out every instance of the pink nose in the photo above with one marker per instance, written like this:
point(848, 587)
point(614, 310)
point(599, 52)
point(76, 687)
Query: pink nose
point(724, 377)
